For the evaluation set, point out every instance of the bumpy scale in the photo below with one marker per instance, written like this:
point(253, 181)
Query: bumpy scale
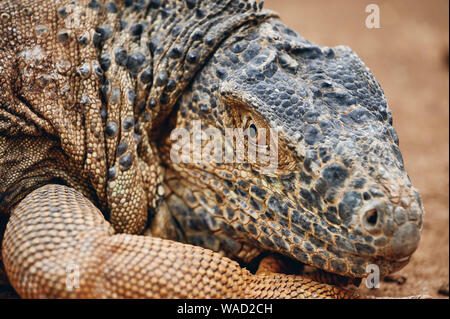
point(90, 92)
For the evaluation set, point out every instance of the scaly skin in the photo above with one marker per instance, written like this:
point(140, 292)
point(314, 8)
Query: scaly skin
point(90, 93)
point(121, 265)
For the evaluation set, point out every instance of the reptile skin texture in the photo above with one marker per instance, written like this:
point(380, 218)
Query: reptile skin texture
point(97, 203)
point(43, 239)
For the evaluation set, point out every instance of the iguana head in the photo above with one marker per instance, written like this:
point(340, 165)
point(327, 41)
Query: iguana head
point(339, 198)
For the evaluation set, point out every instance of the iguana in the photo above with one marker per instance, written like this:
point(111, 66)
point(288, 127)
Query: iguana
point(98, 201)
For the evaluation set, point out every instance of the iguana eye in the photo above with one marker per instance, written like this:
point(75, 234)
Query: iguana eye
point(254, 135)
point(252, 131)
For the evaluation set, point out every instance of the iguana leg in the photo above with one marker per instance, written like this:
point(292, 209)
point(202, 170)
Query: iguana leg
point(57, 244)
point(273, 264)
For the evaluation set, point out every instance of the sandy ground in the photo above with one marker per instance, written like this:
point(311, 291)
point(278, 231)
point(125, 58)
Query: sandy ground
point(409, 57)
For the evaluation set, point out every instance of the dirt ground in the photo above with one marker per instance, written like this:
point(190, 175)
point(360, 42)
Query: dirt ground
point(408, 55)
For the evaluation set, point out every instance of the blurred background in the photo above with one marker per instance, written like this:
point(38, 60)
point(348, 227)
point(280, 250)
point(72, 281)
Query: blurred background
point(408, 55)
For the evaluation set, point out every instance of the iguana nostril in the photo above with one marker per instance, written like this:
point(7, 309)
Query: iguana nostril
point(370, 218)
